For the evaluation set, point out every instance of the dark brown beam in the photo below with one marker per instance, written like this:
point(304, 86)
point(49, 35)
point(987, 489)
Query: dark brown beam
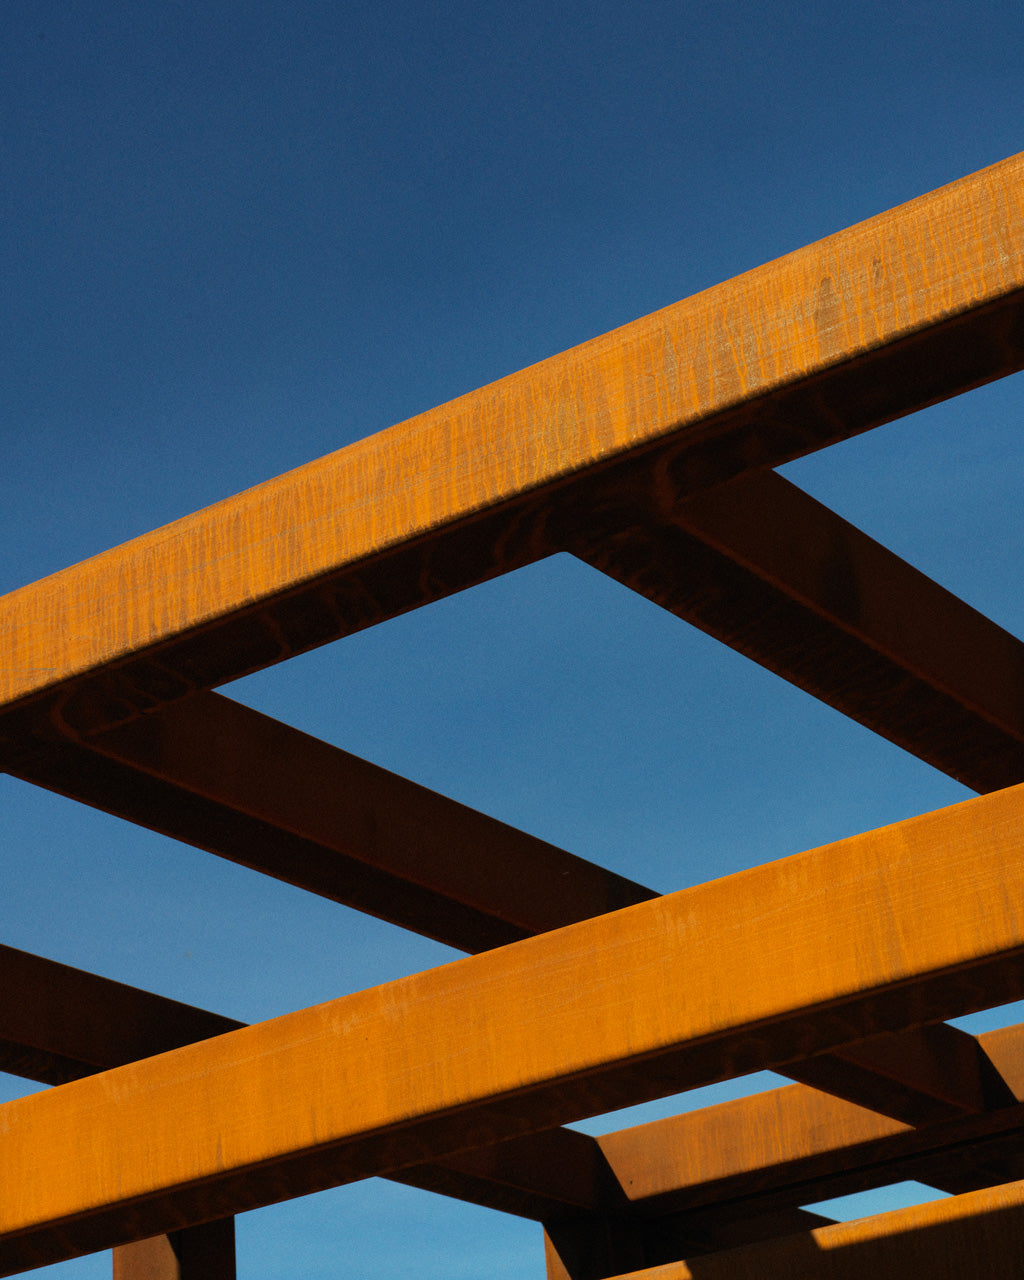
point(919, 1076)
point(221, 776)
point(592, 1249)
point(763, 567)
point(980, 1234)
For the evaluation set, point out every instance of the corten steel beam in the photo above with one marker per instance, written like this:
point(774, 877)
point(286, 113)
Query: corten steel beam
point(756, 1155)
point(59, 1024)
point(629, 1006)
point(786, 580)
point(798, 1145)
point(910, 307)
point(219, 775)
point(977, 1234)
point(762, 566)
point(245, 786)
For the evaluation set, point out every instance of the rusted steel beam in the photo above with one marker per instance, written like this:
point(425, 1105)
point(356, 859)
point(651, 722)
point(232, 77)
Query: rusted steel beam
point(798, 1145)
point(922, 1075)
point(225, 777)
point(219, 775)
point(632, 1005)
point(765, 568)
point(558, 1174)
point(59, 1024)
point(912, 306)
point(978, 1234)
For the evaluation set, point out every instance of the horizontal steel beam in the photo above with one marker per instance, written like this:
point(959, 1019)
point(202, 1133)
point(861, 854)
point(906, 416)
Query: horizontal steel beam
point(762, 968)
point(915, 305)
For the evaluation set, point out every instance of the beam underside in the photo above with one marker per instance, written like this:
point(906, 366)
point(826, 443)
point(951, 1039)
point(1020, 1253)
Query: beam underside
point(977, 1234)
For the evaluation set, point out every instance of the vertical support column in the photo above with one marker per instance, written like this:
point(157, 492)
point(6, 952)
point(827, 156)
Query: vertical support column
point(592, 1246)
point(206, 1252)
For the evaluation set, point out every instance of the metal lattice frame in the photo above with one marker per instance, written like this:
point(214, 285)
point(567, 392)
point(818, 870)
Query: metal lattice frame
point(648, 454)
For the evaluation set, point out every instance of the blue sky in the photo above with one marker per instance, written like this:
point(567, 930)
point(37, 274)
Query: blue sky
point(239, 236)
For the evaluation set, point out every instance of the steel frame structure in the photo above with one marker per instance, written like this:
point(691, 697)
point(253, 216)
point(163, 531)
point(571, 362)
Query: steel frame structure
point(648, 453)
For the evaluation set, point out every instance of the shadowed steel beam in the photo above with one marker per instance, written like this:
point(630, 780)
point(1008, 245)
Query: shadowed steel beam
point(912, 306)
point(978, 1234)
point(219, 775)
point(226, 778)
point(758, 969)
point(59, 1024)
point(581, 1250)
point(922, 1075)
point(763, 567)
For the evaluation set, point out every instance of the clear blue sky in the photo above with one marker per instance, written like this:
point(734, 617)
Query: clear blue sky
point(239, 236)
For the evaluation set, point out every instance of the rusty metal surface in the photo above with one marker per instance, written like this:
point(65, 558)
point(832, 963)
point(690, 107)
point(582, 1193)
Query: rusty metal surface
point(643, 452)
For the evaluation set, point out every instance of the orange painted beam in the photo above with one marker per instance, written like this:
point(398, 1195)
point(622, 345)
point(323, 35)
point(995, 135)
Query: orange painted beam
point(764, 967)
point(978, 1234)
point(219, 775)
point(912, 306)
point(763, 567)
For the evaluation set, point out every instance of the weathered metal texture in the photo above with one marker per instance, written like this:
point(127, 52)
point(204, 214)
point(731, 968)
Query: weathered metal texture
point(611, 451)
point(59, 1024)
point(977, 1234)
point(907, 308)
point(765, 967)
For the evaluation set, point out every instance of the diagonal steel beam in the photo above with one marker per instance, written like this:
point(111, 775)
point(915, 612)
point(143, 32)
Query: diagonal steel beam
point(910, 307)
point(763, 567)
point(219, 775)
point(226, 778)
point(59, 1024)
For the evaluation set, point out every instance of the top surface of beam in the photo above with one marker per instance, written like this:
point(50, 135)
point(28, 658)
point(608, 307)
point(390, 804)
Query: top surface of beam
point(840, 322)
